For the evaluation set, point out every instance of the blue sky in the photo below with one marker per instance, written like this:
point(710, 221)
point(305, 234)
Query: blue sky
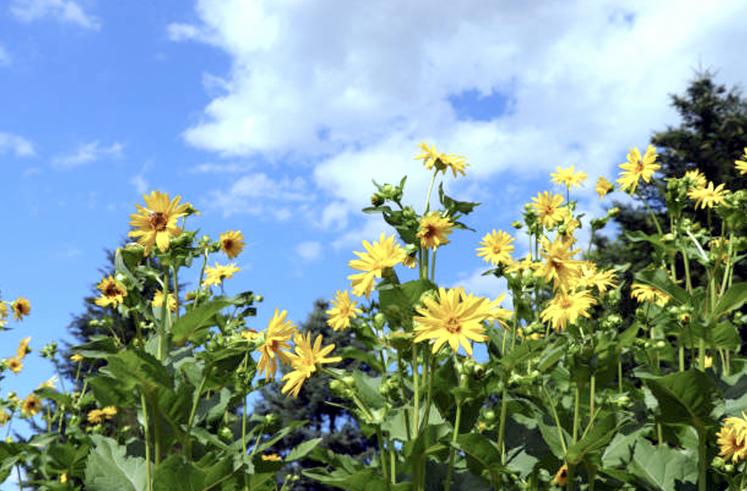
point(273, 117)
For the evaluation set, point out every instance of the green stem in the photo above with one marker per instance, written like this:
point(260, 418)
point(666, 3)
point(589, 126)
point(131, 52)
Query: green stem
point(619, 374)
point(427, 206)
point(147, 443)
point(416, 388)
point(702, 465)
point(681, 353)
point(592, 388)
point(502, 423)
point(382, 456)
point(452, 450)
point(551, 405)
point(576, 412)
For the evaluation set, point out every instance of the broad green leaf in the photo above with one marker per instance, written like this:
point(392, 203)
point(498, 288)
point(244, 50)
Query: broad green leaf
point(733, 299)
point(619, 452)
point(397, 301)
point(720, 336)
point(598, 437)
point(483, 455)
point(663, 468)
point(660, 280)
point(135, 369)
point(192, 325)
point(175, 469)
point(367, 388)
point(302, 449)
point(684, 397)
point(108, 468)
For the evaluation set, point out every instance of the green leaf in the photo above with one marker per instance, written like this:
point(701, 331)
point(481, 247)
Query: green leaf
point(482, 454)
point(684, 397)
point(597, 438)
point(302, 449)
point(107, 468)
point(367, 389)
point(660, 280)
point(663, 467)
point(733, 299)
point(619, 452)
point(138, 370)
point(397, 301)
point(195, 323)
point(175, 470)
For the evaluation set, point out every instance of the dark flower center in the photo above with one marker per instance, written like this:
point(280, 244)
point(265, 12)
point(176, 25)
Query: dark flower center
point(158, 221)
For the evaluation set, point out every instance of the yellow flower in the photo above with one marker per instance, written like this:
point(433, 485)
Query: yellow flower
point(547, 207)
point(3, 314)
point(568, 223)
point(158, 300)
point(695, 179)
point(568, 177)
point(565, 308)
point(453, 317)
point(273, 351)
point(342, 312)
point(637, 168)
point(561, 477)
point(559, 265)
point(456, 163)
point(51, 383)
point(603, 187)
point(645, 293)
point(63, 478)
point(96, 416)
point(434, 230)
point(14, 364)
point(112, 292)
point(76, 358)
point(433, 158)
point(271, 457)
point(4, 417)
point(216, 274)
point(410, 262)
point(708, 196)
point(109, 412)
point(429, 156)
point(156, 223)
point(708, 361)
point(31, 405)
point(305, 360)
point(526, 264)
point(742, 164)
point(249, 334)
point(382, 254)
point(496, 248)
point(497, 313)
point(232, 243)
point(21, 308)
point(591, 277)
point(732, 439)
point(23, 347)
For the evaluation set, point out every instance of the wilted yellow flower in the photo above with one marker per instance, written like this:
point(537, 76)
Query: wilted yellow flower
point(31, 405)
point(603, 187)
point(695, 179)
point(645, 293)
point(214, 275)
point(23, 347)
point(559, 265)
point(453, 317)
point(305, 360)
point(21, 308)
point(14, 364)
point(547, 206)
point(565, 308)
point(271, 457)
point(232, 243)
point(382, 254)
point(732, 439)
point(76, 358)
point(708, 196)
point(273, 351)
point(742, 163)
point(568, 176)
point(434, 230)
point(342, 312)
point(496, 248)
point(561, 477)
point(156, 223)
point(158, 300)
point(637, 168)
point(112, 292)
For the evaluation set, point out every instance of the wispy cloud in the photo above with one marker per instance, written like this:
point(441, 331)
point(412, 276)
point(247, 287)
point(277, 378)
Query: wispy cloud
point(309, 251)
point(257, 194)
point(65, 11)
point(88, 153)
point(5, 58)
point(15, 144)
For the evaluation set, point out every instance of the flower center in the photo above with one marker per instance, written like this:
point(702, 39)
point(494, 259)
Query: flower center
point(430, 231)
point(111, 290)
point(228, 244)
point(158, 221)
point(453, 325)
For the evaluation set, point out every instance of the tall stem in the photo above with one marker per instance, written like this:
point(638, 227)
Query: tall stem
point(147, 443)
point(427, 206)
point(502, 423)
point(452, 450)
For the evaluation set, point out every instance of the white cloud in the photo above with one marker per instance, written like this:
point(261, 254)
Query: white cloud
point(140, 183)
point(476, 283)
point(88, 153)
point(353, 87)
point(219, 168)
point(15, 144)
point(309, 251)
point(65, 11)
point(257, 194)
point(5, 58)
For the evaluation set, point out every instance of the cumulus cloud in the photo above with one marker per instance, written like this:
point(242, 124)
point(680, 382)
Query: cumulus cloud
point(88, 153)
point(258, 194)
point(353, 87)
point(65, 11)
point(15, 144)
point(309, 251)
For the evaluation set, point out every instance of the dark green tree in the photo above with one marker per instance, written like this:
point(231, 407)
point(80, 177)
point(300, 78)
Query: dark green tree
point(318, 406)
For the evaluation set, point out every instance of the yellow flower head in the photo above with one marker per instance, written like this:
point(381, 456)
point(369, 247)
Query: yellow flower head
point(232, 243)
point(603, 187)
point(565, 308)
point(156, 222)
point(695, 179)
point(497, 313)
point(14, 364)
point(410, 262)
point(31, 405)
point(453, 317)
point(23, 347)
point(707, 361)
point(109, 412)
point(547, 206)
point(3, 314)
point(50, 383)
point(568, 177)
point(76, 358)
point(526, 264)
point(216, 274)
point(382, 254)
point(561, 477)
point(342, 312)
point(273, 351)
point(732, 439)
point(559, 265)
point(645, 293)
point(591, 277)
point(742, 163)
point(433, 158)
point(4, 417)
point(568, 223)
point(637, 168)
point(272, 457)
point(158, 300)
point(305, 360)
point(21, 308)
point(708, 196)
point(434, 230)
point(112, 292)
point(496, 248)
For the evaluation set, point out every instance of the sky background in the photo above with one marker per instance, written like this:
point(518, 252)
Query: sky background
point(272, 117)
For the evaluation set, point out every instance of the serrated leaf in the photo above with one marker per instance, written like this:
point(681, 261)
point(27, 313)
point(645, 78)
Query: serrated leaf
point(108, 468)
